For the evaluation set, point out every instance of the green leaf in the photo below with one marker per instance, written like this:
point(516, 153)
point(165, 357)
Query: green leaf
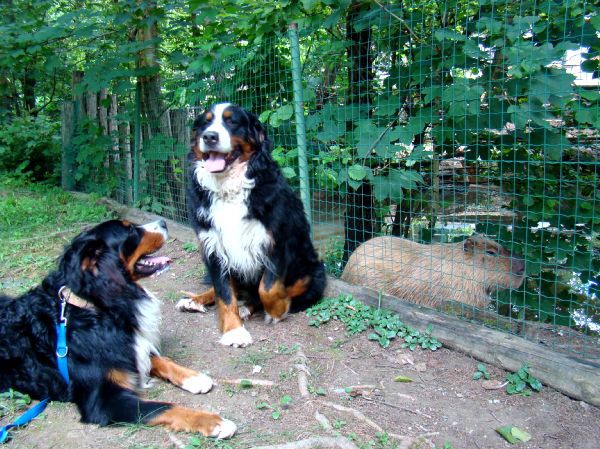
point(262, 405)
point(477, 375)
point(388, 105)
point(285, 400)
point(513, 434)
point(245, 383)
point(331, 130)
point(402, 379)
point(448, 34)
point(535, 384)
point(365, 136)
point(288, 172)
point(383, 189)
point(357, 172)
point(264, 116)
point(285, 112)
point(402, 134)
point(195, 441)
point(589, 115)
point(276, 414)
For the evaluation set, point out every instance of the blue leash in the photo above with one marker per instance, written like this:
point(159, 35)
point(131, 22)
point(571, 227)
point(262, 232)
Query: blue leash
point(61, 357)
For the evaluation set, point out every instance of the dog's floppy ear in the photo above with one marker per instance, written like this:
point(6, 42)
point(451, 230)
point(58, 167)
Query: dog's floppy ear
point(81, 260)
point(258, 133)
point(90, 267)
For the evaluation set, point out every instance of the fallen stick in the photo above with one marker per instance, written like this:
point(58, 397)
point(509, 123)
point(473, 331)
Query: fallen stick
point(399, 407)
point(322, 419)
point(314, 443)
point(248, 382)
point(354, 412)
point(302, 370)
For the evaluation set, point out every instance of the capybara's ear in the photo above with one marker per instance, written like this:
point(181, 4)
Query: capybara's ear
point(469, 245)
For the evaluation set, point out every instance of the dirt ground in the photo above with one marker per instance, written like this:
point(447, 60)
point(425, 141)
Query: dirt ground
point(443, 405)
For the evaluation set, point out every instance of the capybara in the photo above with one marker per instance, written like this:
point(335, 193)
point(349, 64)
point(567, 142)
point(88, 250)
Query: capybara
point(466, 271)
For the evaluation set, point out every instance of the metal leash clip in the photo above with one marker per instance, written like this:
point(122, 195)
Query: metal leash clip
point(61, 348)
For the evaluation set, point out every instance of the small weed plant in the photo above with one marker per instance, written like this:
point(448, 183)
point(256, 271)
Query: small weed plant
point(481, 373)
point(12, 402)
point(358, 317)
point(200, 442)
point(189, 247)
point(276, 410)
point(522, 382)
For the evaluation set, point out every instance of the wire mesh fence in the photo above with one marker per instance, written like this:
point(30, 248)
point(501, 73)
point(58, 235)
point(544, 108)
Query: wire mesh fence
point(458, 140)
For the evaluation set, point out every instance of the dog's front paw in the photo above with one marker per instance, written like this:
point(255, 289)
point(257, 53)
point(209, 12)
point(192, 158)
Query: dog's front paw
point(200, 383)
point(189, 305)
point(224, 430)
point(244, 312)
point(238, 338)
point(270, 319)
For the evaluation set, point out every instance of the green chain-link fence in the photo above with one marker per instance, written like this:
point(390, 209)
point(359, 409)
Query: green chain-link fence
point(424, 121)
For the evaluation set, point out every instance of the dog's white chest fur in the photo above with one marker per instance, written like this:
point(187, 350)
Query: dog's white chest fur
point(147, 336)
point(240, 243)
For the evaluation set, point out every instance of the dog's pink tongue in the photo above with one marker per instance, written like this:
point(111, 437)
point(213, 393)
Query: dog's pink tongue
point(215, 162)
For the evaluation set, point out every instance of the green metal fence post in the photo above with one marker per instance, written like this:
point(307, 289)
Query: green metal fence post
point(137, 129)
point(299, 117)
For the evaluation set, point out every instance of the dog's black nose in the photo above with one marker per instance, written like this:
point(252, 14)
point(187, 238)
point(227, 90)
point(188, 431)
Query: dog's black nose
point(210, 137)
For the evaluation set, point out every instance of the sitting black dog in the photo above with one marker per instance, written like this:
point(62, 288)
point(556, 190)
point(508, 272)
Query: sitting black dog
point(112, 334)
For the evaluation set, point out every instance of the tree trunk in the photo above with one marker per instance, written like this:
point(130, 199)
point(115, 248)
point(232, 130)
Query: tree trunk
point(157, 118)
point(68, 154)
point(28, 84)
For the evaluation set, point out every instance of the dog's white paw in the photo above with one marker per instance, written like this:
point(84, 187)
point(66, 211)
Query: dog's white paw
point(189, 305)
point(200, 383)
point(238, 338)
point(269, 319)
point(224, 430)
point(244, 312)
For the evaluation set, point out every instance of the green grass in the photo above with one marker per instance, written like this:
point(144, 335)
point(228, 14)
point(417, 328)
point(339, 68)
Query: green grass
point(38, 220)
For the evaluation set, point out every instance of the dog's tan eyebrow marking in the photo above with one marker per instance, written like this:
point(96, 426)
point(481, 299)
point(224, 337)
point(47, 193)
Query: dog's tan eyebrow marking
point(227, 114)
point(208, 116)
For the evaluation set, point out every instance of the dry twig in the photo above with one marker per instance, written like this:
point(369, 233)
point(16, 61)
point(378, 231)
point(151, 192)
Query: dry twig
point(322, 419)
point(302, 372)
point(249, 382)
point(314, 443)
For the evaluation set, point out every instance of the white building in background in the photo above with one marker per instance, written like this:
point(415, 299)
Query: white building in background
point(572, 63)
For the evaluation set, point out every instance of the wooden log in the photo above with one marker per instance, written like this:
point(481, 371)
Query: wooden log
point(179, 231)
point(91, 106)
point(103, 111)
point(77, 79)
point(569, 374)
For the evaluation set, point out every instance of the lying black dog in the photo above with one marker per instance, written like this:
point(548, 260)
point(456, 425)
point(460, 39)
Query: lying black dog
point(112, 334)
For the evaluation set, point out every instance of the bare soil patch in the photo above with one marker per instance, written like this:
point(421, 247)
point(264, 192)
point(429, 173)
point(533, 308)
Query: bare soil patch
point(442, 404)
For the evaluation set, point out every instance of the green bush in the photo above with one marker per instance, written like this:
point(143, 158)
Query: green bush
point(30, 146)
